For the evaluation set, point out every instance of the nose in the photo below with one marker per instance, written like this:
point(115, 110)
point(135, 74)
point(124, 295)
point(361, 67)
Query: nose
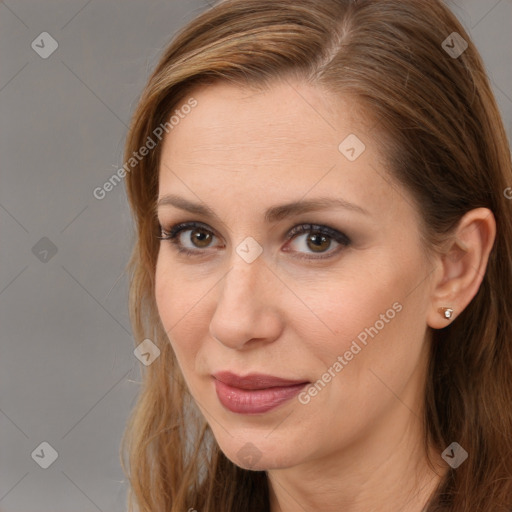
point(247, 310)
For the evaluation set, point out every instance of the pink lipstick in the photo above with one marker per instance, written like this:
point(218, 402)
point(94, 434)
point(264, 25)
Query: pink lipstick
point(254, 393)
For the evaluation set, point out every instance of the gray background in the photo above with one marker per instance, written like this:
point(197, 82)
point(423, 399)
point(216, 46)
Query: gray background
point(68, 375)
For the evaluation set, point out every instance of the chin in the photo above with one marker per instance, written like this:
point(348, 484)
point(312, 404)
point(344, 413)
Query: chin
point(260, 453)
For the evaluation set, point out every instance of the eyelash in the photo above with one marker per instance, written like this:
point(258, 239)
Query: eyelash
point(177, 229)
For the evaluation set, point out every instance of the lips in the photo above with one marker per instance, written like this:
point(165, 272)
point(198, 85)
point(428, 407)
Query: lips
point(254, 393)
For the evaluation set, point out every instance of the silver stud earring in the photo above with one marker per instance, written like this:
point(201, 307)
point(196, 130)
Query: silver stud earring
point(446, 312)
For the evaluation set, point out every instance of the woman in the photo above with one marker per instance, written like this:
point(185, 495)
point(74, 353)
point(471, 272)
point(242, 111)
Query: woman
point(324, 263)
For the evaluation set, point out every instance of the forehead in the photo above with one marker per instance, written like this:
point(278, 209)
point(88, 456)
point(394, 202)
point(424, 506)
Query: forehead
point(241, 146)
point(286, 121)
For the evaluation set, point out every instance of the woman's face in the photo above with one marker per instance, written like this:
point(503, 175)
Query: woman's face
point(338, 310)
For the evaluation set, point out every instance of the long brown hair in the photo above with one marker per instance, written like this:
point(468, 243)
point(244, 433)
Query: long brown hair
point(445, 142)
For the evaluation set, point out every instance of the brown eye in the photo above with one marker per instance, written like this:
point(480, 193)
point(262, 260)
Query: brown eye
point(314, 239)
point(189, 238)
point(200, 237)
point(318, 242)
point(307, 239)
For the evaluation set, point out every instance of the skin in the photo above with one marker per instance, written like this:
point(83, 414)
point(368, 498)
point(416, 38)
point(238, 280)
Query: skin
point(358, 444)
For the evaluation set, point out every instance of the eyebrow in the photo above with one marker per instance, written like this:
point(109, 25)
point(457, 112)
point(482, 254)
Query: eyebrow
point(272, 214)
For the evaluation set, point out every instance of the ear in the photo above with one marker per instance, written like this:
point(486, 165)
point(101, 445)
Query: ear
point(462, 265)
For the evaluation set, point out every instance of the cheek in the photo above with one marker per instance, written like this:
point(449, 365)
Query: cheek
point(178, 304)
point(165, 296)
point(371, 305)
